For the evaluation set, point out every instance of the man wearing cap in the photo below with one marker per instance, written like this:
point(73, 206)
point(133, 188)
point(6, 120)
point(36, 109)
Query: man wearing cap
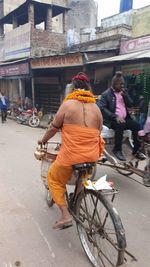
point(80, 121)
point(113, 105)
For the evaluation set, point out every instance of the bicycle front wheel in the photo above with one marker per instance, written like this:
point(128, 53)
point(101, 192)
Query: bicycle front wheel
point(100, 229)
point(49, 199)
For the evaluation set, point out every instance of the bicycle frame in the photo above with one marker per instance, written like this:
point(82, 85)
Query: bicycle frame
point(79, 186)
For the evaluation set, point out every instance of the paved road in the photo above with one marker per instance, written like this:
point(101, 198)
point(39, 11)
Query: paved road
point(26, 235)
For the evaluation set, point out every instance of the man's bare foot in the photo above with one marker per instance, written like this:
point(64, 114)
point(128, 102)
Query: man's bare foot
point(66, 219)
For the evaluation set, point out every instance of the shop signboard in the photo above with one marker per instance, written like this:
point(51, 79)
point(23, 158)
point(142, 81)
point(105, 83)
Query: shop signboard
point(14, 70)
point(135, 45)
point(17, 43)
point(57, 61)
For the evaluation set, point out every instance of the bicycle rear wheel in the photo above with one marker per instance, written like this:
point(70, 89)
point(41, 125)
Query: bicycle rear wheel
point(100, 229)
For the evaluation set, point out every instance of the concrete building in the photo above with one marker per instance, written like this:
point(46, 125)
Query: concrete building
point(26, 41)
point(7, 6)
point(82, 21)
point(82, 14)
point(63, 47)
point(82, 18)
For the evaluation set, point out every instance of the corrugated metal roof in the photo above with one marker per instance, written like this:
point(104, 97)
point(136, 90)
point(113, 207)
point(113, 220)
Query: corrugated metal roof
point(131, 56)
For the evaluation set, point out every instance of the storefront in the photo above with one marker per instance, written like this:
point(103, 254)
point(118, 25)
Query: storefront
point(134, 62)
point(138, 81)
point(138, 74)
point(14, 79)
point(51, 74)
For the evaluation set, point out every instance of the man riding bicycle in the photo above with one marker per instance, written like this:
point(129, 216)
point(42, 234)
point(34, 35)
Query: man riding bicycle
point(80, 121)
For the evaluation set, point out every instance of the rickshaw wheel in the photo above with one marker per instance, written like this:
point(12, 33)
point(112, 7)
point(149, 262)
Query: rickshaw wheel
point(126, 171)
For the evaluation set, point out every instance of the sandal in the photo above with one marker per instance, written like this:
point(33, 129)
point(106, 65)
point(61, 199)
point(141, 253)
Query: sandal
point(62, 225)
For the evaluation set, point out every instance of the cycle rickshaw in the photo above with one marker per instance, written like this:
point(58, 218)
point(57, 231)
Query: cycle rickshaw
point(132, 166)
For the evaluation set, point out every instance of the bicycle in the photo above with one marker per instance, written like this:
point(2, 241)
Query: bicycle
point(98, 224)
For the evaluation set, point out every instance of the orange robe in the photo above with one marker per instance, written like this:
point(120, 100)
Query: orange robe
point(79, 145)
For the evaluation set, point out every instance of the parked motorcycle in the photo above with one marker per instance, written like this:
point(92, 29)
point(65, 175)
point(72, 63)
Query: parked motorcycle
point(29, 117)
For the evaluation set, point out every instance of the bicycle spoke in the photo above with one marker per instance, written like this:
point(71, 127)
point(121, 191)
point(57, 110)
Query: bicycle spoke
point(100, 252)
point(86, 209)
point(97, 215)
point(89, 217)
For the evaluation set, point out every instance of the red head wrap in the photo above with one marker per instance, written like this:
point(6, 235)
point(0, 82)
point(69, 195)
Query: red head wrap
point(82, 77)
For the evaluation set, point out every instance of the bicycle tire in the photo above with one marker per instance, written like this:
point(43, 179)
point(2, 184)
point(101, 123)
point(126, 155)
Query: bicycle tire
point(103, 245)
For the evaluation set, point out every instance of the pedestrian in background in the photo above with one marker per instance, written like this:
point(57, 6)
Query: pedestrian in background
point(3, 106)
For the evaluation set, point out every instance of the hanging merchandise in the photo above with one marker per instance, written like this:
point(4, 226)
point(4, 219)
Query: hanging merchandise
point(134, 88)
point(146, 86)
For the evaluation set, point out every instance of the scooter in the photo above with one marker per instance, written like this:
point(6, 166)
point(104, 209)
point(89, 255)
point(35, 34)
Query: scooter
point(28, 117)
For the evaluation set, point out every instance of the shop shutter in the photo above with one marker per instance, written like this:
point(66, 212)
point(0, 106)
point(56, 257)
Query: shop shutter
point(48, 97)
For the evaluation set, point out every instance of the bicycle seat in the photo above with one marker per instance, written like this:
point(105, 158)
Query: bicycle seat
point(83, 166)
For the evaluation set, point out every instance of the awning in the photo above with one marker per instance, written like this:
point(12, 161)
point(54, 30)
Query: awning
point(127, 57)
point(15, 69)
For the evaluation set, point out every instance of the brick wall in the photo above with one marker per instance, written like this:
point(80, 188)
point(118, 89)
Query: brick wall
point(41, 40)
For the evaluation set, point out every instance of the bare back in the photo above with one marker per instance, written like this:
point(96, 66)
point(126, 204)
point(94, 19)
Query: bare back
point(79, 113)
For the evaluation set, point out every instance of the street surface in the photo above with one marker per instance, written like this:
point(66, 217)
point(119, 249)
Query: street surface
point(26, 235)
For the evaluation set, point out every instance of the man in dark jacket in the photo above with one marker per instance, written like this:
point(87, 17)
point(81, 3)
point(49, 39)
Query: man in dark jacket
point(3, 106)
point(113, 105)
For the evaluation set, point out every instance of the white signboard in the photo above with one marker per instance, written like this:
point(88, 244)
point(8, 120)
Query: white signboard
point(134, 45)
point(17, 42)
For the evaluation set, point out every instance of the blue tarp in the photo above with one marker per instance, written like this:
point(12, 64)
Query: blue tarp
point(125, 5)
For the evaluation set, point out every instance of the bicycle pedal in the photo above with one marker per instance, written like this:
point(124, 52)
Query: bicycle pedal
point(103, 160)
